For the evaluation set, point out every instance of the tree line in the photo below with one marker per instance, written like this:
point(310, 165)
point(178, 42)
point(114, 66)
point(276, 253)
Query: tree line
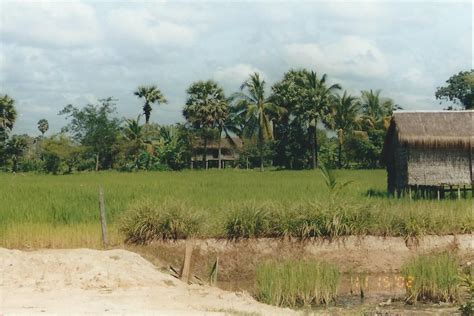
point(297, 123)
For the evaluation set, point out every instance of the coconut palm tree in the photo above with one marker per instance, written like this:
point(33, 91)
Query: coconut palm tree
point(345, 118)
point(206, 109)
point(135, 134)
point(376, 109)
point(7, 113)
point(43, 126)
point(257, 109)
point(151, 95)
point(315, 107)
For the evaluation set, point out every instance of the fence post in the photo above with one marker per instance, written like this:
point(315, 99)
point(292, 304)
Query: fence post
point(186, 267)
point(103, 221)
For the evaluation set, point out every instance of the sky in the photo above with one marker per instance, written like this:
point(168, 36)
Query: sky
point(54, 53)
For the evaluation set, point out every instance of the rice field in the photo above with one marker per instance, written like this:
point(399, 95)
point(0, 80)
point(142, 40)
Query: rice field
point(38, 211)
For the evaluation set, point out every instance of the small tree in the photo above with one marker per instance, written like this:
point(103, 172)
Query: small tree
point(15, 148)
point(94, 127)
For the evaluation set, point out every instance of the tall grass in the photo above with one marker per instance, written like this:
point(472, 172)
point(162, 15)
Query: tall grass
point(170, 220)
point(432, 278)
point(297, 283)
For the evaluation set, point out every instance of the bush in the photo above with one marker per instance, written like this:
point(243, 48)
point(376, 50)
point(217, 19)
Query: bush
point(297, 283)
point(144, 222)
point(432, 278)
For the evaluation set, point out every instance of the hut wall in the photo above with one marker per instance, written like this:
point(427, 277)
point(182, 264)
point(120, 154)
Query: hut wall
point(397, 166)
point(437, 166)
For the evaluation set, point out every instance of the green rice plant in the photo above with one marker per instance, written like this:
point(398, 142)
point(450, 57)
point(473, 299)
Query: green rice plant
point(249, 220)
point(297, 283)
point(467, 281)
point(432, 278)
point(146, 221)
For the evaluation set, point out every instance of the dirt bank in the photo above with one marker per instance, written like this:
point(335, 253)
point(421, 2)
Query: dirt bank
point(237, 259)
point(87, 281)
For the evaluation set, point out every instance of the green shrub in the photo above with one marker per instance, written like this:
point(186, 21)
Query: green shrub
point(145, 221)
point(297, 283)
point(432, 278)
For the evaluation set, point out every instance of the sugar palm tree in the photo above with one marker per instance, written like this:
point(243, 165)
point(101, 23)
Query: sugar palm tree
point(206, 109)
point(151, 95)
point(315, 107)
point(43, 126)
point(345, 118)
point(7, 113)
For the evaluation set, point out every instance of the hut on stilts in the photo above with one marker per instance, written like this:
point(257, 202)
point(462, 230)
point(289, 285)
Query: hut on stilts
point(429, 154)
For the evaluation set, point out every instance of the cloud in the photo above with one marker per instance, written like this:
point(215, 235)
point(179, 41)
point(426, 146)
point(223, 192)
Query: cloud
point(145, 28)
point(236, 74)
point(48, 24)
point(352, 55)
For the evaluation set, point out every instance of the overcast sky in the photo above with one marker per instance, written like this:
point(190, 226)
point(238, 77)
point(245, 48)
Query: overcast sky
point(59, 52)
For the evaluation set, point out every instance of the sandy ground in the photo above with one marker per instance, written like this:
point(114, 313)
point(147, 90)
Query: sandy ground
point(85, 281)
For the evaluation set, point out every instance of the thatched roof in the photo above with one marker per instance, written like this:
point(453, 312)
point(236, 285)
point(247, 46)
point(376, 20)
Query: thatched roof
point(225, 143)
point(447, 129)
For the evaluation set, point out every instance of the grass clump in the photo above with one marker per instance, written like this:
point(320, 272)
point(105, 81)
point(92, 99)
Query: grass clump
point(297, 283)
point(170, 220)
point(249, 220)
point(432, 278)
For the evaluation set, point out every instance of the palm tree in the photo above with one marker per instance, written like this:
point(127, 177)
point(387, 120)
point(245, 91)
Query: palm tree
point(43, 126)
point(315, 107)
point(257, 110)
point(7, 113)
point(206, 108)
point(377, 110)
point(134, 133)
point(345, 118)
point(151, 95)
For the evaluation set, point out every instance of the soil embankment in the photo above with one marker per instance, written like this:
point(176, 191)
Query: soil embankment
point(85, 281)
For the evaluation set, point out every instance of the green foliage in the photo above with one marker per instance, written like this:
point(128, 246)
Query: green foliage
point(297, 283)
point(432, 278)
point(95, 128)
point(7, 113)
point(459, 89)
point(145, 221)
point(60, 154)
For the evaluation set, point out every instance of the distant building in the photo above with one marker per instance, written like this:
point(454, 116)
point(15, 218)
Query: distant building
point(429, 151)
point(229, 153)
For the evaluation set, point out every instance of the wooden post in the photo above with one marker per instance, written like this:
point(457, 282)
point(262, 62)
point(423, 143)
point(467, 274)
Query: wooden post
point(103, 220)
point(438, 194)
point(459, 192)
point(186, 267)
point(409, 191)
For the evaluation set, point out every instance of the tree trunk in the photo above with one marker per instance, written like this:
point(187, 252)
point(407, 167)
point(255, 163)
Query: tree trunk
point(146, 110)
point(15, 164)
point(219, 150)
point(260, 147)
point(314, 151)
point(97, 162)
point(204, 155)
point(339, 154)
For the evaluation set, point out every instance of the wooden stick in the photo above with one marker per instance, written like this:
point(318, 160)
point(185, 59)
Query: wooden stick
point(103, 221)
point(186, 268)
